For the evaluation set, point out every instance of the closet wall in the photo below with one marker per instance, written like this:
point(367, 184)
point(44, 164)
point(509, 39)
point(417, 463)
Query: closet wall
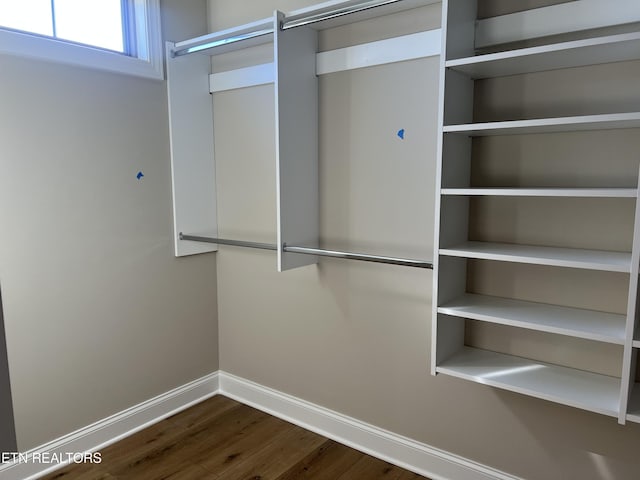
point(99, 314)
point(355, 337)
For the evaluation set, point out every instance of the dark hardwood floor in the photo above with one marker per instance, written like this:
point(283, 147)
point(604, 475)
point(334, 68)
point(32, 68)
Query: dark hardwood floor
point(221, 439)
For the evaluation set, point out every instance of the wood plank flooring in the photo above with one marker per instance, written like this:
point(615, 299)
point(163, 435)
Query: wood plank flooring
point(221, 439)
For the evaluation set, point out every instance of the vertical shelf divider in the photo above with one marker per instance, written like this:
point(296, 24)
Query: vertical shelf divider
point(628, 358)
point(455, 100)
point(296, 97)
point(193, 169)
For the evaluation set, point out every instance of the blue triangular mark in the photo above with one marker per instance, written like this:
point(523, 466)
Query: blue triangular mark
point(140, 175)
point(401, 133)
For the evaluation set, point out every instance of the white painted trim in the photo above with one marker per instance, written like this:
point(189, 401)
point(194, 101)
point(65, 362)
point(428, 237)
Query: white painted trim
point(396, 449)
point(148, 65)
point(392, 50)
point(554, 20)
point(242, 77)
point(116, 427)
point(393, 448)
point(398, 49)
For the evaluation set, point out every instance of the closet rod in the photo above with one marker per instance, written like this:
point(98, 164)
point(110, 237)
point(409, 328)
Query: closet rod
point(221, 42)
point(406, 262)
point(222, 241)
point(310, 18)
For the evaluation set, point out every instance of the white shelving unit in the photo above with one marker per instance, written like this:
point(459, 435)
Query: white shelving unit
point(294, 76)
point(455, 306)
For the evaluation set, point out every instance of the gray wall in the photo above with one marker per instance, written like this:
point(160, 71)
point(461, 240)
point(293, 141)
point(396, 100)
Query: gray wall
point(355, 337)
point(99, 315)
point(7, 432)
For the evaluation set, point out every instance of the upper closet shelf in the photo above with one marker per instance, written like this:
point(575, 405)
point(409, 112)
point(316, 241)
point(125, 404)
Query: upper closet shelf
point(545, 192)
point(609, 121)
point(614, 48)
point(552, 256)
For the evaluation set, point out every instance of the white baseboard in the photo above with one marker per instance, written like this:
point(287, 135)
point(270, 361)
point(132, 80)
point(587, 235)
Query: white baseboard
point(393, 448)
point(109, 430)
point(396, 449)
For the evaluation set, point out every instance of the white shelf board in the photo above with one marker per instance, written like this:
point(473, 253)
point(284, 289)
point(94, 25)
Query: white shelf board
point(609, 121)
point(592, 51)
point(553, 256)
point(566, 17)
point(568, 386)
point(574, 322)
point(633, 409)
point(544, 192)
point(636, 344)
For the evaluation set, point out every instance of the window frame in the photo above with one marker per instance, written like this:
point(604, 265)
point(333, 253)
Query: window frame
point(148, 47)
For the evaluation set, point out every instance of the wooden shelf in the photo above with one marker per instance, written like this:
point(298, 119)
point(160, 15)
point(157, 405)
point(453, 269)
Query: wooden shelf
point(545, 192)
point(574, 322)
point(610, 121)
point(633, 409)
point(568, 386)
point(553, 256)
point(592, 51)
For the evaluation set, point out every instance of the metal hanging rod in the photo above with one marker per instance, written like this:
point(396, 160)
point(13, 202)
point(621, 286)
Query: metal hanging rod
point(260, 28)
point(322, 15)
point(406, 262)
point(208, 45)
point(222, 241)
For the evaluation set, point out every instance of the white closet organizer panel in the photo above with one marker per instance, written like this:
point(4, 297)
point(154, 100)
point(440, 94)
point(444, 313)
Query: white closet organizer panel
point(592, 51)
point(296, 122)
point(552, 256)
point(193, 172)
point(544, 192)
point(609, 121)
point(568, 386)
point(574, 322)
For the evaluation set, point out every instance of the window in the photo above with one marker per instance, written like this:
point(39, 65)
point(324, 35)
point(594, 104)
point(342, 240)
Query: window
point(115, 35)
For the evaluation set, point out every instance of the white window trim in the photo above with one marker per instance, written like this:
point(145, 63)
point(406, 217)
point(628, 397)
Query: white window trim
point(147, 64)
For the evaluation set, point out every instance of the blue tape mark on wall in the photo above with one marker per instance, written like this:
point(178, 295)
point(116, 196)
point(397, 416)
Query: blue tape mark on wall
point(140, 175)
point(401, 133)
